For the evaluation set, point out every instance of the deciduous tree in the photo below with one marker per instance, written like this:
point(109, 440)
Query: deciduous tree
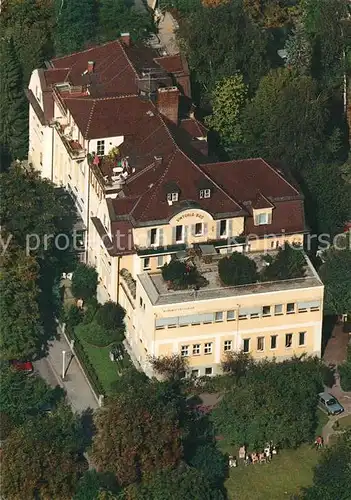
point(43, 458)
point(237, 269)
point(299, 50)
point(137, 433)
point(228, 98)
point(289, 263)
point(110, 316)
point(84, 282)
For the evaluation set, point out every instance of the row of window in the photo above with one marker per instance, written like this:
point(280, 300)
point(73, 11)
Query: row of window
point(203, 193)
point(197, 350)
point(244, 314)
point(198, 229)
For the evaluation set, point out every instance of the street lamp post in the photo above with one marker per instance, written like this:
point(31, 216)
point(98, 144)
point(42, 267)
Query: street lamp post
point(63, 364)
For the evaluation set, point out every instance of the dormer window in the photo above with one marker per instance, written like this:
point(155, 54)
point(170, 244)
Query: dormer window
point(262, 219)
point(172, 197)
point(205, 193)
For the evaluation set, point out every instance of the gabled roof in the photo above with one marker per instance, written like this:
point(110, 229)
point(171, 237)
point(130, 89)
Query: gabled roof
point(261, 202)
point(193, 127)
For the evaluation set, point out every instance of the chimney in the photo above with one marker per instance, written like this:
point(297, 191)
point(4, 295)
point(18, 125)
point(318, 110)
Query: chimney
point(125, 38)
point(167, 103)
point(91, 65)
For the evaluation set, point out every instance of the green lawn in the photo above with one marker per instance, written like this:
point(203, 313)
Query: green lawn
point(286, 475)
point(344, 423)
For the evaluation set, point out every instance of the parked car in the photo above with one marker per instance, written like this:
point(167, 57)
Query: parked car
point(329, 404)
point(22, 366)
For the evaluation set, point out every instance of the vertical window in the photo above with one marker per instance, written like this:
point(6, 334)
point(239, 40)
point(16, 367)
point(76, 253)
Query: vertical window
point(266, 310)
point(196, 349)
point(260, 343)
point(208, 348)
point(153, 236)
point(194, 373)
point(179, 233)
point(184, 350)
point(160, 259)
point(302, 338)
point(288, 340)
point(208, 371)
point(227, 345)
point(230, 315)
point(219, 316)
point(278, 309)
point(290, 308)
point(223, 228)
point(198, 229)
point(41, 158)
point(205, 193)
point(146, 263)
point(100, 151)
point(273, 341)
point(246, 345)
point(261, 219)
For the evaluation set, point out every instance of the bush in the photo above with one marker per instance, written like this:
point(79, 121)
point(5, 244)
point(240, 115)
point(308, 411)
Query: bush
point(98, 336)
point(74, 316)
point(182, 275)
point(289, 263)
point(237, 269)
point(345, 376)
point(91, 307)
point(84, 282)
point(110, 316)
point(171, 367)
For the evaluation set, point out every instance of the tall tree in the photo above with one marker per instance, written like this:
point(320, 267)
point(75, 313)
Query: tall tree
point(332, 475)
point(270, 13)
point(228, 98)
point(221, 41)
point(286, 120)
point(299, 50)
point(13, 103)
point(21, 332)
point(137, 433)
point(336, 276)
point(43, 458)
point(75, 25)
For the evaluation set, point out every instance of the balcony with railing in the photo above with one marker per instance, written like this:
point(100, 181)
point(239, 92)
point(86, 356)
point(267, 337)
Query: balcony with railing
point(75, 150)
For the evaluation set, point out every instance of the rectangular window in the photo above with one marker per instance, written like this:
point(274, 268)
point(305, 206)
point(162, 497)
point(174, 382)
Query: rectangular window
point(230, 315)
point(278, 309)
point(290, 308)
point(160, 260)
point(261, 219)
point(242, 316)
point(288, 340)
point(302, 338)
point(246, 345)
point(100, 151)
point(254, 315)
point(41, 158)
point(153, 236)
point(194, 373)
point(141, 302)
point(196, 349)
point(205, 193)
point(146, 263)
point(223, 228)
point(179, 233)
point(260, 343)
point(208, 348)
point(266, 311)
point(198, 229)
point(219, 316)
point(172, 197)
point(227, 345)
point(208, 371)
point(273, 341)
point(184, 350)
point(314, 308)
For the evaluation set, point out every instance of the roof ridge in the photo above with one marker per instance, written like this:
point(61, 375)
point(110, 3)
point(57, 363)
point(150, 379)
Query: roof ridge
point(281, 176)
point(158, 183)
point(89, 119)
point(130, 62)
point(83, 51)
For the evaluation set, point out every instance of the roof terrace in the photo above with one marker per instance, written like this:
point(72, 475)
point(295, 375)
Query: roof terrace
point(159, 293)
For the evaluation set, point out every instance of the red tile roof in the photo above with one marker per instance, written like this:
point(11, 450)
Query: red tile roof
point(172, 64)
point(55, 75)
point(261, 202)
point(194, 127)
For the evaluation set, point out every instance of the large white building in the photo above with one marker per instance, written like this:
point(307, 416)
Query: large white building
point(114, 125)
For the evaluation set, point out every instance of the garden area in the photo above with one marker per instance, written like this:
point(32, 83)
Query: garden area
point(97, 331)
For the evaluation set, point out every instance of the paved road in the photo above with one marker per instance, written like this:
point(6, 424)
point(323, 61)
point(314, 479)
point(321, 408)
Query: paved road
point(78, 391)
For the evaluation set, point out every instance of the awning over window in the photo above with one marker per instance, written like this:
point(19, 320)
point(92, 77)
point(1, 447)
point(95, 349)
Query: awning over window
point(308, 305)
point(167, 321)
point(250, 310)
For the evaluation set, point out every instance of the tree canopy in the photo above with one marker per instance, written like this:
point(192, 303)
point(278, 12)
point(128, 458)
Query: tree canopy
point(137, 433)
point(237, 269)
point(84, 281)
point(289, 263)
point(43, 458)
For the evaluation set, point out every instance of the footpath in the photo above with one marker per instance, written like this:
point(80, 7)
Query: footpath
point(79, 393)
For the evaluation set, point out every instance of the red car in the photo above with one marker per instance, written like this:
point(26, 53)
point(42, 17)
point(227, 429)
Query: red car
point(22, 366)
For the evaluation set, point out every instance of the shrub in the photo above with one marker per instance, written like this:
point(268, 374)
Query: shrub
point(237, 269)
point(110, 316)
point(171, 367)
point(97, 335)
point(74, 316)
point(182, 275)
point(91, 307)
point(237, 363)
point(289, 263)
point(84, 282)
